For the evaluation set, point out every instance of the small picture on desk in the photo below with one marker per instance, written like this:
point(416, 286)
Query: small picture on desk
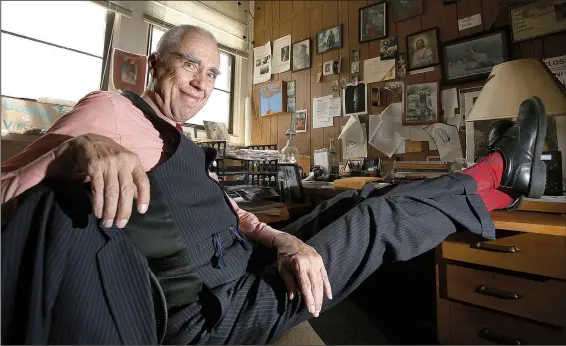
point(289, 179)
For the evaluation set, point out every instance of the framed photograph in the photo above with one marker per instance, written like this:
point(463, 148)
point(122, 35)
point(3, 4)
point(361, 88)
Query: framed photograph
point(405, 9)
point(375, 97)
point(290, 180)
point(422, 104)
point(355, 68)
point(373, 22)
point(301, 55)
point(291, 88)
point(301, 121)
point(537, 19)
point(388, 49)
point(355, 99)
point(355, 54)
point(328, 68)
point(329, 39)
point(473, 57)
point(291, 105)
point(402, 64)
point(422, 49)
point(272, 98)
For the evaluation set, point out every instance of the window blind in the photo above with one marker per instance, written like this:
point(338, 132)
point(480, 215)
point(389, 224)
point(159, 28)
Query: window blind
point(111, 6)
point(228, 32)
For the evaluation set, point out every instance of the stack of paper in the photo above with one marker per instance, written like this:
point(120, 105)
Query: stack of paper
point(447, 140)
point(387, 134)
point(324, 110)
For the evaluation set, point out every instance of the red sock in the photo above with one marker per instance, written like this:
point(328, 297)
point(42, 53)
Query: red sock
point(495, 199)
point(487, 173)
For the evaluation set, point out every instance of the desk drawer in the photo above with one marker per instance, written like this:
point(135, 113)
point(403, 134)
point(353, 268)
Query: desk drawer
point(524, 252)
point(543, 300)
point(475, 326)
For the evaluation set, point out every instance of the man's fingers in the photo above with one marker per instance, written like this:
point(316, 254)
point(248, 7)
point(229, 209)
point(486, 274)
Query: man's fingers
point(142, 189)
point(326, 282)
point(289, 283)
point(306, 289)
point(125, 200)
point(111, 195)
point(317, 289)
point(97, 187)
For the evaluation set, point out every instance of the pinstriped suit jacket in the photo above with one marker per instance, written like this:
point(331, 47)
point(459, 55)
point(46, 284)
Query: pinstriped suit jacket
point(52, 290)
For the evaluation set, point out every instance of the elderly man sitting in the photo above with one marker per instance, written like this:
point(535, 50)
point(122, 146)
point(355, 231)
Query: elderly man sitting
point(78, 266)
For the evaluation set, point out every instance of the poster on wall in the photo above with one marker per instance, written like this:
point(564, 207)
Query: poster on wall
point(262, 63)
point(281, 55)
point(22, 115)
point(129, 71)
point(557, 66)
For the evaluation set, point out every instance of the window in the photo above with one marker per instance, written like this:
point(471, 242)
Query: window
point(220, 103)
point(52, 48)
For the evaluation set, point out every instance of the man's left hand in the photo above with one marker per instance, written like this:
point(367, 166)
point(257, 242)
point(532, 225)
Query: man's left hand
point(299, 263)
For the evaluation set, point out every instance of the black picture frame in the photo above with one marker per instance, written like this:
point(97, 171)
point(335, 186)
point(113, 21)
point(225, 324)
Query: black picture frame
point(341, 36)
point(291, 171)
point(436, 51)
point(448, 57)
point(294, 57)
point(417, 10)
point(360, 21)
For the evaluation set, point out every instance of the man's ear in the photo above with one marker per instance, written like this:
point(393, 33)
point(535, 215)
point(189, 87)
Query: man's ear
point(152, 64)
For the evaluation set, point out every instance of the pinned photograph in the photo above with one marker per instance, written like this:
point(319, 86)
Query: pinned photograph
point(375, 97)
point(328, 68)
point(404, 9)
point(291, 88)
point(355, 54)
point(373, 22)
point(291, 105)
point(355, 68)
point(355, 99)
point(285, 53)
point(301, 121)
point(329, 39)
point(301, 55)
point(388, 48)
point(474, 58)
point(402, 64)
point(422, 49)
point(421, 104)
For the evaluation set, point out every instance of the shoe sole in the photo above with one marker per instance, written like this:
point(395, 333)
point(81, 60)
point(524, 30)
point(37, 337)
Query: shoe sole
point(537, 184)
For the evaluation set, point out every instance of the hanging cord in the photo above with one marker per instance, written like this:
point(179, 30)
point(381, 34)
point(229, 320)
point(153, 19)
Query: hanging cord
point(496, 15)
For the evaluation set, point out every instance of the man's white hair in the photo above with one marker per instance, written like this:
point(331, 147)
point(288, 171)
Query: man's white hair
point(170, 42)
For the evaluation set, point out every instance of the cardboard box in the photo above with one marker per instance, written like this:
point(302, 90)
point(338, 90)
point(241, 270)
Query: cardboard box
point(19, 115)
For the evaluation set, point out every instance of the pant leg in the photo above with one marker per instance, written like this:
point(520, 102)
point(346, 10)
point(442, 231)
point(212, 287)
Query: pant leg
point(397, 226)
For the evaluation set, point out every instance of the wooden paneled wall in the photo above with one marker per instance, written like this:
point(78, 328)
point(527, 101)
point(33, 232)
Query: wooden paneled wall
point(302, 19)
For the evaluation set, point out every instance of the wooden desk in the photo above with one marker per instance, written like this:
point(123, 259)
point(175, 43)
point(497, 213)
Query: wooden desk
point(283, 216)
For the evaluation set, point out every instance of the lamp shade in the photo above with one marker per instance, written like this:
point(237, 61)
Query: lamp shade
point(511, 83)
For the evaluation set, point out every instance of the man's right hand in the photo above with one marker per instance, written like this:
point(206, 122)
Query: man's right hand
point(116, 175)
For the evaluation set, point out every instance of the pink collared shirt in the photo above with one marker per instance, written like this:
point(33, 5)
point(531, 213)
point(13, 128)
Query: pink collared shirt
point(112, 115)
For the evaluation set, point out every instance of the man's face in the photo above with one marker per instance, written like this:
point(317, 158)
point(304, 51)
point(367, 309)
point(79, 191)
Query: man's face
point(420, 44)
point(185, 79)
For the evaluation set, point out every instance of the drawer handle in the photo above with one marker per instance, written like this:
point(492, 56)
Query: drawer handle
point(495, 247)
point(495, 292)
point(489, 335)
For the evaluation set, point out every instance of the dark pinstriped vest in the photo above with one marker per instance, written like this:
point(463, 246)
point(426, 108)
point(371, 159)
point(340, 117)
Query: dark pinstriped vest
point(189, 234)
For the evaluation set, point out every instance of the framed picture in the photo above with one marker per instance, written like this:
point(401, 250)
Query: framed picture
point(473, 57)
point(328, 68)
point(375, 97)
point(301, 55)
point(216, 131)
point(355, 99)
point(406, 9)
point(291, 88)
point(422, 104)
point(329, 39)
point(536, 19)
point(422, 49)
point(301, 121)
point(272, 98)
point(373, 22)
point(388, 49)
point(291, 105)
point(290, 180)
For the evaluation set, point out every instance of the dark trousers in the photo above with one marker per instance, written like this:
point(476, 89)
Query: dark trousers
point(355, 233)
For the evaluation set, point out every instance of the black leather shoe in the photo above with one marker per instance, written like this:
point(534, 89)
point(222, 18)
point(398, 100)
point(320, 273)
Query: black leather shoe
point(524, 173)
point(496, 130)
